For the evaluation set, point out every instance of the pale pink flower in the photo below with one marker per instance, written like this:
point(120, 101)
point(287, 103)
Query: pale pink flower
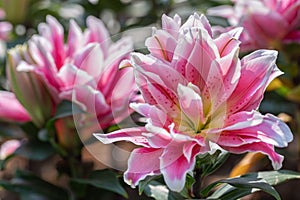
point(11, 109)
point(84, 69)
point(198, 95)
point(5, 30)
point(8, 148)
point(266, 23)
point(5, 27)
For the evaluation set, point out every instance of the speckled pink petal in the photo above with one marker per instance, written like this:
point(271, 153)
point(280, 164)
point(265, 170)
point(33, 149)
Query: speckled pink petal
point(142, 162)
point(174, 165)
point(258, 70)
point(259, 147)
point(250, 126)
point(161, 45)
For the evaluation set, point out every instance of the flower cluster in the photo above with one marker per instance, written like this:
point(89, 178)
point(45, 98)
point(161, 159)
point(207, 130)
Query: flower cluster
point(199, 96)
point(267, 23)
point(84, 69)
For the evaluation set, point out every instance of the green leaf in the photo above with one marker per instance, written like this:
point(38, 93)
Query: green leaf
point(35, 150)
point(104, 179)
point(276, 177)
point(29, 186)
point(253, 182)
point(10, 131)
point(145, 182)
point(210, 163)
point(67, 108)
point(243, 186)
point(30, 129)
point(64, 109)
point(33, 197)
point(160, 192)
point(228, 192)
point(250, 183)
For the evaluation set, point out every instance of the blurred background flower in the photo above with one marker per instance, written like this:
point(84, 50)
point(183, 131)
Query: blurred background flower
point(8, 148)
point(267, 24)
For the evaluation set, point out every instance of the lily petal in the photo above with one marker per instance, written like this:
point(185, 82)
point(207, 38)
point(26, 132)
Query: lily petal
point(253, 125)
point(249, 90)
point(97, 32)
point(191, 105)
point(157, 116)
point(171, 25)
point(133, 135)
point(161, 45)
point(138, 170)
point(259, 147)
point(11, 109)
point(174, 165)
point(90, 59)
point(75, 38)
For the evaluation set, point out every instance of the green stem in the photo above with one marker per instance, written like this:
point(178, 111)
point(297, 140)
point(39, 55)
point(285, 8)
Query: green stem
point(198, 182)
point(74, 166)
point(58, 149)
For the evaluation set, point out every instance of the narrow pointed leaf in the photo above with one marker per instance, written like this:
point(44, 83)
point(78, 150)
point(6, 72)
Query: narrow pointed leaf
point(35, 150)
point(104, 179)
point(28, 185)
point(250, 183)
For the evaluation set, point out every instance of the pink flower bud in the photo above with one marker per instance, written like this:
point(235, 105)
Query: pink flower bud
point(8, 148)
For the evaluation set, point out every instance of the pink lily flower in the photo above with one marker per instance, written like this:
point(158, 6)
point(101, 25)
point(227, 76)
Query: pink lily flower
point(8, 148)
point(11, 109)
point(198, 96)
point(267, 23)
point(84, 69)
